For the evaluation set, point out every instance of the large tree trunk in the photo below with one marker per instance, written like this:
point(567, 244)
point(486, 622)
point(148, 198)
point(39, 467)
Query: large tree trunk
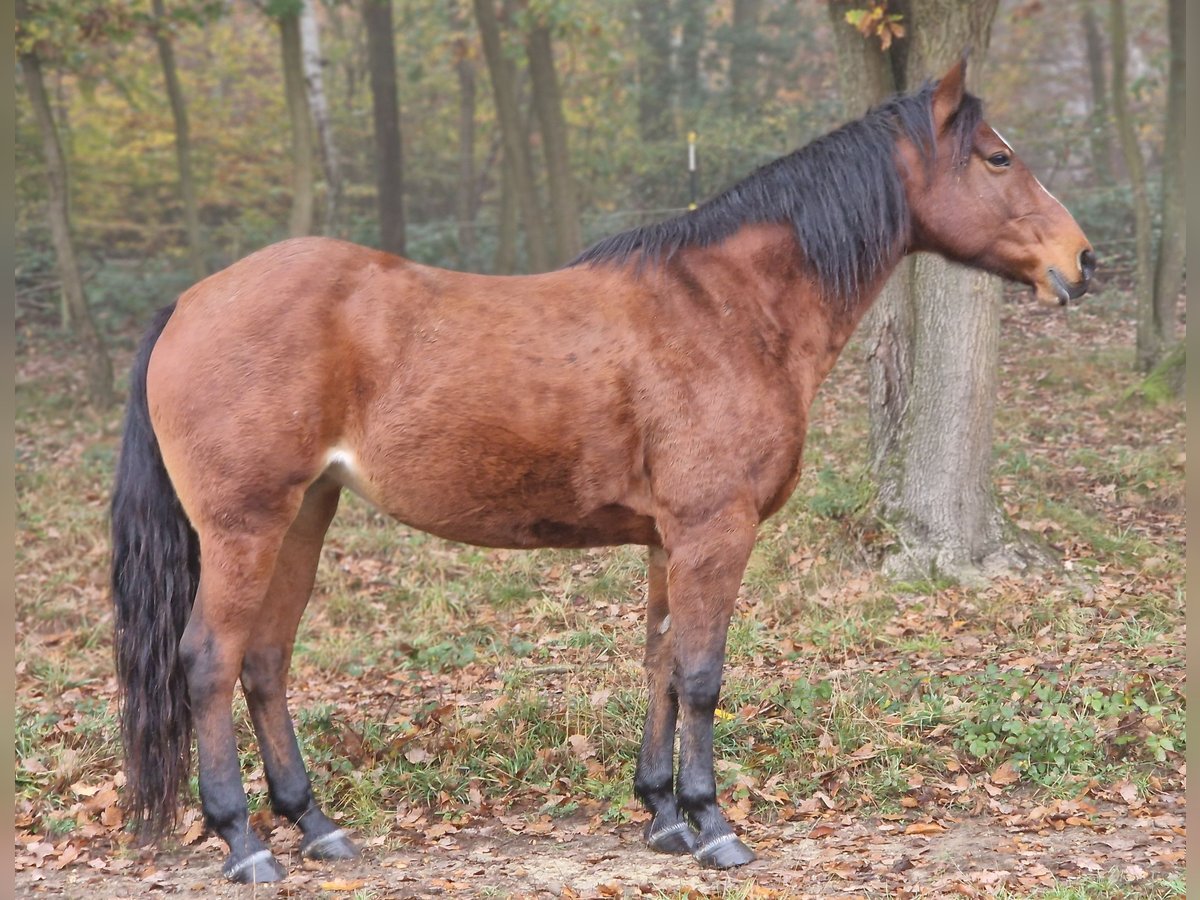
point(654, 70)
point(389, 161)
point(77, 313)
point(300, 222)
point(866, 76)
point(516, 143)
point(310, 43)
point(547, 101)
point(743, 56)
point(933, 348)
point(1098, 127)
point(1148, 345)
point(464, 201)
point(1168, 275)
point(183, 140)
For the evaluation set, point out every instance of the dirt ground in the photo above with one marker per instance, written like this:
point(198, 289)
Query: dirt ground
point(971, 856)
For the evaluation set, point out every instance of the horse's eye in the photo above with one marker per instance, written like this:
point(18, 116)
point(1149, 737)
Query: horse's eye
point(1000, 160)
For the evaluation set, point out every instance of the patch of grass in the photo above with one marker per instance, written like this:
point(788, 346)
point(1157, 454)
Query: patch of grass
point(1111, 886)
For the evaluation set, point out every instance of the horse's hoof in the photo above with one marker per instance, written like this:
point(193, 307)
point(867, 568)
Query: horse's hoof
point(723, 852)
point(253, 869)
point(676, 839)
point(331, 846)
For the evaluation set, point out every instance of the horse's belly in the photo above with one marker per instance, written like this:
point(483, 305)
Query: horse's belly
point(497, 499)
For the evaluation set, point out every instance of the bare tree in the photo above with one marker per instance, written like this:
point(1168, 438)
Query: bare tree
point(515, 135)
point(389, 161)
point(76, 313)
point(1148, 343)
point(183, 140)
point(1168, 273)
point(547, 101)
point(310, 44)
point(1098, 121)
point(465, 196)
point(287, 18)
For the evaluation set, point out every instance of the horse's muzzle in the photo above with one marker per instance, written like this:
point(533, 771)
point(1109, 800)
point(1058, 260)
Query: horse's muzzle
point(1068, 291)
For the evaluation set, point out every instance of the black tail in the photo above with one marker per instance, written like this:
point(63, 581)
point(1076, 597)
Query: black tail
point(155, 570)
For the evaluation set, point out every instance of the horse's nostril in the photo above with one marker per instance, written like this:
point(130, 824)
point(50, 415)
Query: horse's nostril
point(1087, 264)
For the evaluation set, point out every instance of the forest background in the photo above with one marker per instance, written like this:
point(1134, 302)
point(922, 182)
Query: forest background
point(503, 137)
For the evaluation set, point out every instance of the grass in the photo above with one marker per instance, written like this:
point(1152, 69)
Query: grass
point(452, 679)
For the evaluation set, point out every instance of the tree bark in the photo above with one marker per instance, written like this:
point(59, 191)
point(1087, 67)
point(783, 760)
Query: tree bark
point(314, 80)
point(464, 203)
point(300, 222)
point(1148, 347)
point(77, 313)
point(547, 101)
point(743, 55)
point(516, 144)
point(654, 70)
point(933, 353)
point(866, 76)
point(1101, 147)
point(505, 262)
point(183, 140)
point(389, 160)
point(1168, 274)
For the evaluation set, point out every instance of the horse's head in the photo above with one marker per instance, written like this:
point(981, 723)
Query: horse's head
point(975, 202)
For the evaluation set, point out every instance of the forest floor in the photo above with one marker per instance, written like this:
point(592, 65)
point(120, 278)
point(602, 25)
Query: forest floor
point(473, 716)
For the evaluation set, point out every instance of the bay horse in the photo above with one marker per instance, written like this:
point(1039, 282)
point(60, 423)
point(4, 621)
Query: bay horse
point(655, 391)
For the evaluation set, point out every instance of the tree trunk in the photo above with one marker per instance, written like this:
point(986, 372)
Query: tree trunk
point(314, 80)
point(866, 76)
point(743, 56)
point(183, 141)
point(1148, 346)
point(934, 358)
point(300, 222)
point(1102, 165)
point(690, 82)
point(1168, 275)
point(654, 70)
point(389, 160)
point(516, 144)
point(506, 222)
point(547, 101)
point(78, 315)
point(464, 204)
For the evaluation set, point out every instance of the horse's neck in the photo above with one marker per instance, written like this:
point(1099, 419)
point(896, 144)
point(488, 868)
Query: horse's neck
point(779, 292)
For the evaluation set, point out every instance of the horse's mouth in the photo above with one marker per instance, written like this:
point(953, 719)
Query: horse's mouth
point(1064, 290)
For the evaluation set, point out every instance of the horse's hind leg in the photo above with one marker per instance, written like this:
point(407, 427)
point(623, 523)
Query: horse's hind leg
point(235, 573)
point(264, 676)
point(667, 832)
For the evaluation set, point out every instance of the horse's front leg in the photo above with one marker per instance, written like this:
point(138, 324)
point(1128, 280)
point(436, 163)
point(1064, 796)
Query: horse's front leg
point(654, 782)
point(705, 568)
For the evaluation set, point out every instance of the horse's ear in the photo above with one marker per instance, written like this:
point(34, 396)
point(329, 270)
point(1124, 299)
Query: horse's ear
point(948, 95)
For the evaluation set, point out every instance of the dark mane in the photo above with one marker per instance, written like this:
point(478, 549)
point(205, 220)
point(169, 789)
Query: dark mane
point(841, 193)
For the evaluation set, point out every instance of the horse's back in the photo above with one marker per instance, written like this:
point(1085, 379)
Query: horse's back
point(493, 410)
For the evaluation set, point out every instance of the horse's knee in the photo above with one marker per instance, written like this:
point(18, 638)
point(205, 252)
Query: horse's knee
point(699, 687)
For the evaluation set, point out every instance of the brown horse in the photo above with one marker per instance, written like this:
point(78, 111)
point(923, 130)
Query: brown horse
point(654, 392)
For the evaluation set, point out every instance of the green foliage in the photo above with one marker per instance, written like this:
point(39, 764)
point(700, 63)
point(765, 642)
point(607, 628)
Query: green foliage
point(1048, 724)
